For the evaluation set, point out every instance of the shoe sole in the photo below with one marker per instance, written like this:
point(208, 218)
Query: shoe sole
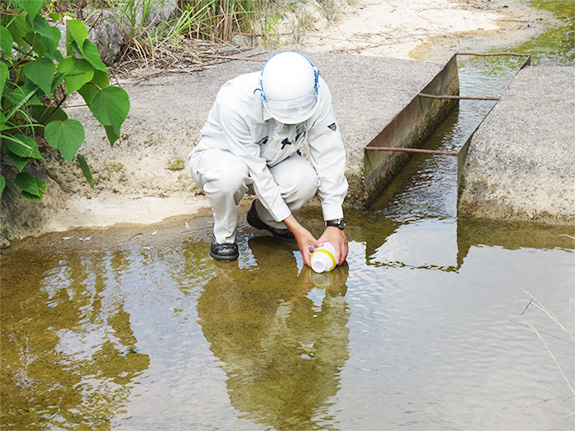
point(224, 258)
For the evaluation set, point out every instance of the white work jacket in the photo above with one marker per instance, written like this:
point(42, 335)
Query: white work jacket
point(239, 123)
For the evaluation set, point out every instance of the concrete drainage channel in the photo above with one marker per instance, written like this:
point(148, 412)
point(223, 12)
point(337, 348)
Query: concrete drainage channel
point(388, 152)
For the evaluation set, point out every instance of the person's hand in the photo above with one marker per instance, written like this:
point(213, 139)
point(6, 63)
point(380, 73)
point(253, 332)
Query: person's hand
point(306, 242)
point(338, 239)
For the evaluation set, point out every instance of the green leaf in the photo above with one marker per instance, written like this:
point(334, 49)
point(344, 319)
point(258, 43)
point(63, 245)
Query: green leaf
point(21, 145)
point(2, 121)
point(32, 7)
point(76, 31)
point(2, 184)
point(77, 72)
point(67, 136)
point(47, 35)
point(43, 113)
point(18, 28)
point(32, 188)
point(6, 41)
point(110, 107)
point(100, 81)
point(4, 75)
point(18, 161)
point(25, 95)
point(85, 169)
point(55, 17)
point(41, 72)
point(112, 135)
point(90, 52)
point(58, 78)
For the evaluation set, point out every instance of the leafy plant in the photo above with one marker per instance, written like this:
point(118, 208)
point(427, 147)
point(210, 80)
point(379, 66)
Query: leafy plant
point(36, 78)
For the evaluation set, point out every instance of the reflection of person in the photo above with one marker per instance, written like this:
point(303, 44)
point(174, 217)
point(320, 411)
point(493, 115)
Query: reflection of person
point(251, 142)
point(282, 353)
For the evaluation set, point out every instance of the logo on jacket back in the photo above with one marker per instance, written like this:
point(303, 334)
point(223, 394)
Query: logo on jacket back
point(332, 127)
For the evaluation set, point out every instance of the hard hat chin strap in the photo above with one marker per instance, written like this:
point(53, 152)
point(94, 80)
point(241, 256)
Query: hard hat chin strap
point(261, 90)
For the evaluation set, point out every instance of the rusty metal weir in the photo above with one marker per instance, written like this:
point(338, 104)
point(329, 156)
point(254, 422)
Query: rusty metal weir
point(386, 153)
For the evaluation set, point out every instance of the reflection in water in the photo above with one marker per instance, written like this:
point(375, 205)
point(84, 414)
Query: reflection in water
point(281, 352)
point(68, 353)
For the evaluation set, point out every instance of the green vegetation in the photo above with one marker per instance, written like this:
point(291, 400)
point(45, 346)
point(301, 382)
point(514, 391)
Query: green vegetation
point(557, 44)
point(36, 78)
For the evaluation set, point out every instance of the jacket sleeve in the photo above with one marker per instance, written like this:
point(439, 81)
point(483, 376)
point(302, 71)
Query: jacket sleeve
point(240, 143)
point(327, 154)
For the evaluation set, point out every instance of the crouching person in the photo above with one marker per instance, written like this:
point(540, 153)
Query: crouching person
point(251, 142)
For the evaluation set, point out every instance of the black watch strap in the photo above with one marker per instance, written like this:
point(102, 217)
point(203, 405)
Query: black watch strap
point(339, 223)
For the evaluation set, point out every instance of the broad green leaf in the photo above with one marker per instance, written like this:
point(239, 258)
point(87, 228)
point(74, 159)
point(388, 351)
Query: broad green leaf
point(77, 31)
point(58, 78)
point(41, 72)
point(90, 52)
point(71, 46)
point(32, 188)
point(45, 114)
point(2, 184)
point(4, 75)
point(21, 145)
point(55, 17)
point(32, 7)
point(110, 106)
point(31, 197)
point(85, 169)
point(6, 41)
point(57, 55)
point(47, 35)
point(77, 72)
point(18, 161)
point(112, 135)
point(67, 136)
point(18, 27)
point(100, 81)
point(2, 121)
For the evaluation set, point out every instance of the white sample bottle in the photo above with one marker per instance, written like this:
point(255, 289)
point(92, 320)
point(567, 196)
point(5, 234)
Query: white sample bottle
point(323, 258)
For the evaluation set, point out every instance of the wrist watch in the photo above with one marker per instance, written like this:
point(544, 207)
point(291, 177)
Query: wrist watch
point(339, 223)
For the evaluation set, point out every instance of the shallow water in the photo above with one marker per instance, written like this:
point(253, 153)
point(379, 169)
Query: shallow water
point(427, 326)
point(422, 329)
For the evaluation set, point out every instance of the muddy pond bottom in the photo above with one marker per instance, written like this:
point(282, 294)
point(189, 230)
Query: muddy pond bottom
point(426, 327)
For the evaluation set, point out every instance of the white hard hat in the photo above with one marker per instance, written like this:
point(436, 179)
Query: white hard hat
point(289, 84)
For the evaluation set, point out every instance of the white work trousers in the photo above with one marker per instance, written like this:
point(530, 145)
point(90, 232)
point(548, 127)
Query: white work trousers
point(225, 180)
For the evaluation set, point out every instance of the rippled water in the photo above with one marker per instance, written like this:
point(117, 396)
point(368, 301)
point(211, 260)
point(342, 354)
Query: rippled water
point(421, 330)
point(433, 323)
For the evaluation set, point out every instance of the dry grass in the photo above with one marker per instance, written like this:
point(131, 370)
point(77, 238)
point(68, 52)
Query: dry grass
point(567, 337)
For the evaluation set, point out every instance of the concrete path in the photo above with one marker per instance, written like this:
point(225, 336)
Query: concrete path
point(168, 112)
point(521, 161)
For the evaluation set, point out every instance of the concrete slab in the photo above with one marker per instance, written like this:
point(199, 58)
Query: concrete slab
point(521, 162)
